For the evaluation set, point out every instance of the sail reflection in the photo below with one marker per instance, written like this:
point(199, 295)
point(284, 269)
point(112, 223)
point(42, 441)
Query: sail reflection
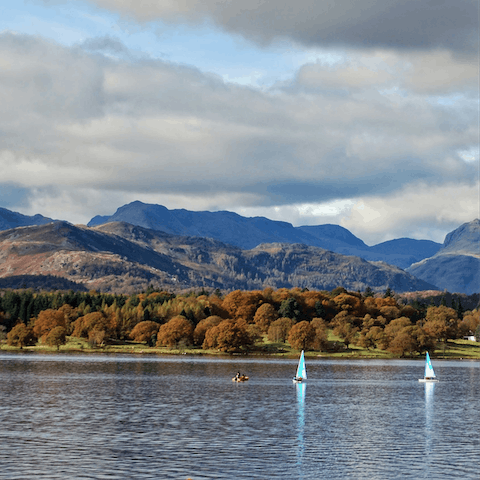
point(301, 389)
point(429, 394)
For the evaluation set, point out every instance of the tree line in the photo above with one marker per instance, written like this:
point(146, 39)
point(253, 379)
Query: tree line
point(238, 321)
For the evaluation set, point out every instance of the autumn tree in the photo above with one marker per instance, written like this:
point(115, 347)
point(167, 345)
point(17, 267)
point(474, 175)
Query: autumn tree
point(70, 314)
point(410, 339)
point(242, 305)
point(47, 321)
point(312, 305)
point(20, 336)
point(228, 336)
point(264, 316)
point(345, 328)
point(373, 337)
point(56, 337)
point(390, 312)
point(279, 329)
point(302, 336)
point(320, 342)
point(203, 326)
point(95, 326)
point(145, 332)
point(403, 341)
point(350, 303)
point(395, 326)
point(441, 322)
point(177, 330)
point(470, 323)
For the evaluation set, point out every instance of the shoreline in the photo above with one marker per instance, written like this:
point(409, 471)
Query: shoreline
point(143, 350)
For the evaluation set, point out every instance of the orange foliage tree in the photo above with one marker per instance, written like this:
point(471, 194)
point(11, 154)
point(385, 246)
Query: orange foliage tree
point(279, 329)
point(203, 326)
point(96, 326)
point(20, 336)
point(264, 316)
point(228, 336)
point(56, 337)
point(46, 321)
point(175, 331)
point(302, 336)
point(320, 327)
point(470, 323)
point(242, 305)
point(350, 303)
point(441, 322)
point(145, 331)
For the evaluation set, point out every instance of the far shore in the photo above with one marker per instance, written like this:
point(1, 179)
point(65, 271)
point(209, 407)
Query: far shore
point(453, 350)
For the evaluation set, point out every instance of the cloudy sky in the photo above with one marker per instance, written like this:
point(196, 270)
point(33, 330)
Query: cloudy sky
point(361, 113)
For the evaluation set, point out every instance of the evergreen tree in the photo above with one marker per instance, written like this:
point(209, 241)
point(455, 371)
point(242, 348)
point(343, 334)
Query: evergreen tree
point(388, 293)
point(368, 292)
point(459, 309)
point(290, 308)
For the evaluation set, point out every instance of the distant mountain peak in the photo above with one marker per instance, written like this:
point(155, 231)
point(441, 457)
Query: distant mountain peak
point(10, 219)
point(456, 266)
point(464, 239)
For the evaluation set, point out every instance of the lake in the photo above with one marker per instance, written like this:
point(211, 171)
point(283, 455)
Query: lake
point(130, 417)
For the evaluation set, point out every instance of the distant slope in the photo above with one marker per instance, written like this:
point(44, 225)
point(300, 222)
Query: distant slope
point(9, 219)
point(121, 257)
point(456, 266)
point(248, 233)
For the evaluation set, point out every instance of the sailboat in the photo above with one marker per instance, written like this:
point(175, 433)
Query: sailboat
point(301, 370)
point(429, 375)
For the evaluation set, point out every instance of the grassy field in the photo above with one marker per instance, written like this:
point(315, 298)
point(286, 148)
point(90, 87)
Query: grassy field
point(455, 349)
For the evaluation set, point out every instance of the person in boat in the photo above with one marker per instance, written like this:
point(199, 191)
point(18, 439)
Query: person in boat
point(237, 376)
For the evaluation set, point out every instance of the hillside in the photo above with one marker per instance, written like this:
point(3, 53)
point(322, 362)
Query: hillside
point(120, 257)
point(456, 266)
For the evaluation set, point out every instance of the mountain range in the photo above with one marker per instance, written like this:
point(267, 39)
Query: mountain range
point(148, 244)
point(247, 233)
point(121, 257)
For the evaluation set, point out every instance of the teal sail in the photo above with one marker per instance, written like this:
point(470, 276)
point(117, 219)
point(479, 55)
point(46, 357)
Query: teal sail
point(301, 370)
point(429, 372)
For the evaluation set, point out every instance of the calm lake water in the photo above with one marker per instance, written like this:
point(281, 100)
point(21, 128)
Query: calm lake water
point(124, 417)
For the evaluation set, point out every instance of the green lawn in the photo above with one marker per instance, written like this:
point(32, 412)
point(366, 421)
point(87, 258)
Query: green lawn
point(455, 349)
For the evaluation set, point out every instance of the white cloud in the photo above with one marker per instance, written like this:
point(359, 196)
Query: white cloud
point(418, 211)
point(76, 122)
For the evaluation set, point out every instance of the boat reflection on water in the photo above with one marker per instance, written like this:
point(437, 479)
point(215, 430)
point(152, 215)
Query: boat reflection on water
point(300, 390)
point(429, 409)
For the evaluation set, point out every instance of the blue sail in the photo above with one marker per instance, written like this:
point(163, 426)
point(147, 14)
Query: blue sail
point(301, 370)
point(429, 372)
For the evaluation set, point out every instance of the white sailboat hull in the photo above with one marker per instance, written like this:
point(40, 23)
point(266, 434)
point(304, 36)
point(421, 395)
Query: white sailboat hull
point(427, 380)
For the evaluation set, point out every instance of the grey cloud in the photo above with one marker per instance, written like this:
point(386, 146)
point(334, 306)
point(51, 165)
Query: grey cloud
point(397, 24)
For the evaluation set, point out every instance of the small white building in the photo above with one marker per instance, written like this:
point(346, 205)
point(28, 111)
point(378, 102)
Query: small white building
point(472, 338)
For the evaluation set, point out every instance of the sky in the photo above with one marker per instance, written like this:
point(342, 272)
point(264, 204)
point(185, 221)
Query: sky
point(359, 113)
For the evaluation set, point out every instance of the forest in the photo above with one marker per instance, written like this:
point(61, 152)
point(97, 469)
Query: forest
point(235, 322)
